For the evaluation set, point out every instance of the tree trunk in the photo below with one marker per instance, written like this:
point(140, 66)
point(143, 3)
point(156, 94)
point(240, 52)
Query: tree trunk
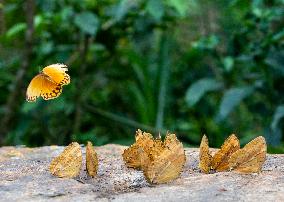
point(14, 99)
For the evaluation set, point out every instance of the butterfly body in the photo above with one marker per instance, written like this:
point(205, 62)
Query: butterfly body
point(48, 83)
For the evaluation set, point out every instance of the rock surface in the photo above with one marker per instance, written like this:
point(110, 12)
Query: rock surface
point(24, 176)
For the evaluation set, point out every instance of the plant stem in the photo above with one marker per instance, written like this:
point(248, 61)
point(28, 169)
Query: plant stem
point(83, 55)
point(165, 72)
point(123, 120)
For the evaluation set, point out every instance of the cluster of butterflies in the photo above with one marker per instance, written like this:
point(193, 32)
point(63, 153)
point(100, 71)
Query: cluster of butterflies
point(163, 161)
point(249, 159)
point(160, 161)
point(48, 83)
point(69, 162)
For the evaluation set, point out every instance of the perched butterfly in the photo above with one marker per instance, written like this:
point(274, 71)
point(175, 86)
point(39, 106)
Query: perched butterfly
point(48, 83)
point(221, 157)
point(168, 164)
point(132, 155)
point(205, 156)
point(250, 158)
point(68, 163)
point(219, 161)
point(230, 157)
point(91, 160)
point(160, 161)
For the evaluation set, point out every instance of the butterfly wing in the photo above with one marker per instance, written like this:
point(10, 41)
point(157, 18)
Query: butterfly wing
point(41, 85)
point(57, 73)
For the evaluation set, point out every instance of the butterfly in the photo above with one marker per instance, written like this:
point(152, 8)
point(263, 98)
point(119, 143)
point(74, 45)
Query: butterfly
point(221, 157)
point(68, 163)
point(91, 160)
point(249, 159)
point(219, 161)
point(132, 155)
point(204, 155)
point(166, 165)
point(160, 161)
point(48, 83)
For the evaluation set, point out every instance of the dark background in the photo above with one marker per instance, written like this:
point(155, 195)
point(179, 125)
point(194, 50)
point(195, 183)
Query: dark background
point(186, 66)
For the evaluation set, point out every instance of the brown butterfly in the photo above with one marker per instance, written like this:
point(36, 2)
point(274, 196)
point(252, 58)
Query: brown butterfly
point(205, 156)
point(167, 163)
point(91, 160)
point(48, 83)
point(230, 157)
point(160, 161)
point(132, 155)
point(68, 163)
point(221, 157)
point(250, 158)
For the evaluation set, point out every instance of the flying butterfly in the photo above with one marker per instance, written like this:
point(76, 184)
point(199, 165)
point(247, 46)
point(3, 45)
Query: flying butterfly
point(48, 83)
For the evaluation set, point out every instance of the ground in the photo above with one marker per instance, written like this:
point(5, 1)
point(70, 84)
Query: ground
point(24, 176)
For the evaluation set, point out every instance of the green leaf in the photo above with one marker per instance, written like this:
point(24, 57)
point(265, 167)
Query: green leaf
point(87, 22)
point(278, 115)
point(181, 6)
point(124, 7)
point(29, 106)
point(155, 9)
point(206, 43)
point(275, 60)
point(278, 36)
point(38, 20)
point(164, 66)
point(272, 136)
point(231, 99)
point(199, 88)
point(228, 63)
point(16, 29)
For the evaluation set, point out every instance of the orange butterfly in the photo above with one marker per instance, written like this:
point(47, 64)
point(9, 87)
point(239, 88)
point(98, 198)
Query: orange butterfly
point(48, 83)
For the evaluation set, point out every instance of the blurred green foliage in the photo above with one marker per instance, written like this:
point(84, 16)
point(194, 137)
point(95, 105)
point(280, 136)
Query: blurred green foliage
point(187, 66)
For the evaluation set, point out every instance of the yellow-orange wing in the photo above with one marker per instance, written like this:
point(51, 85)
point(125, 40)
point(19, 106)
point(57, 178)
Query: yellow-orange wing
point(41, 85)
point(205, 158)
point(250, 158)
point(221, 158)
point(57, 74)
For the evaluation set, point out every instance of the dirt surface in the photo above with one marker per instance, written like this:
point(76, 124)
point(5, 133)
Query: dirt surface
point(24, 176)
